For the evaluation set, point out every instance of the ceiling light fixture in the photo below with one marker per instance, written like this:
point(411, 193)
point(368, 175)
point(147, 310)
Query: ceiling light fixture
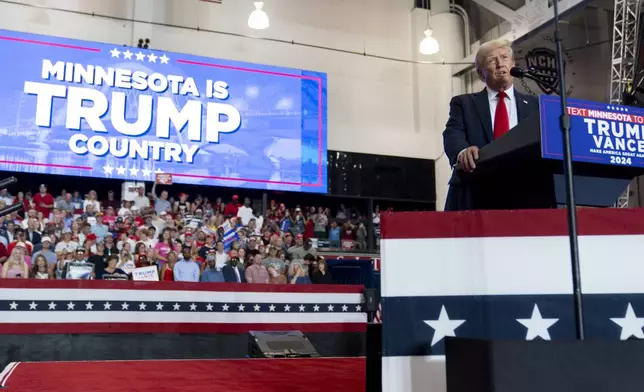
point(258, 19)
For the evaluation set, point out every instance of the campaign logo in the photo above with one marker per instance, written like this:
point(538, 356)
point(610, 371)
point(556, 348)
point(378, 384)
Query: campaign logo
point(544, 61)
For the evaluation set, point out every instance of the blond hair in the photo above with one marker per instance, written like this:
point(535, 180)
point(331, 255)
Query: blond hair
point(488, 47)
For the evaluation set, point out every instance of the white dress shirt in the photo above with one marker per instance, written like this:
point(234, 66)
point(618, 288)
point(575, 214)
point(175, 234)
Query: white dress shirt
point(510, 104)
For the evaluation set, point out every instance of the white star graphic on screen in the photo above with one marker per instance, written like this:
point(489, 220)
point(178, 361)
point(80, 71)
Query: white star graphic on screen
point(125, 306)
point(134, 171)
point(127, 55)
point(157, 171)
point(256, 308)
point(241, 308)
point(193, 307)
point(164, 59)
point(631, 324)
point(115, 53)
point(89, 306)
point(140, 56)
point(330, 307)
point(52, 306)
point(107, 306)
point(345, 308)
point(13, 306)
point(70, 306)
point(159, 306)
point(316, 308)
point(225, 307)
point(358, 308)
point(142, 306)
point(443, 326)
point(287, 308)
point(146, 172)
point(209, 307)
point(120, 170)
point(537, 325)
point(302, 308)
point(152, 58)
point(271, 308)
point(108, 169)
point(176, 306)
point(33, 305)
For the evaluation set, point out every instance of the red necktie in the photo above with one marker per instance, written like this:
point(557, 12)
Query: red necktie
point(501, 116)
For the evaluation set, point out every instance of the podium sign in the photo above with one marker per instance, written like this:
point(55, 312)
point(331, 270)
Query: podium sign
point(601, 133)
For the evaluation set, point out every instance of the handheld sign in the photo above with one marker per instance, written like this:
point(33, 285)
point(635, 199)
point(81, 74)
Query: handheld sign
point(164, 179)
point(600, 133)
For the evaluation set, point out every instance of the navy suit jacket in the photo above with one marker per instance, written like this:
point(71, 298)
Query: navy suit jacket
point(470, 124)
point(229, 274)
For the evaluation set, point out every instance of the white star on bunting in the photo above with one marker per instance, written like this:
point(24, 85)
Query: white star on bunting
point(443, 326)
point(193, 307)
point(271, 308)
point(107, 306)
point(225, 307)
point(125, 306)
point(164, 59)
point(330, 308)
point(316, 308)
point(13, 306)
point(33, 305)
point(142, 306)
point(537, 325)
point(241, 308)
point(358, 308)
point(630, 323)
point(302, 308)
point(127, 55)
point(115, 53)
point(159, 306)
point(89, 306)
point(140, 56)
point(70, 306)
point(108, 169)
point(345, 308)
point(287, 308)
point(209, 307)
point(52, 306)
point(256, 308)
point(176, 306)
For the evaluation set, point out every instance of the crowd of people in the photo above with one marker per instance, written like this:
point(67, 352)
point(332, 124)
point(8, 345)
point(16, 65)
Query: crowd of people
point(190, 238)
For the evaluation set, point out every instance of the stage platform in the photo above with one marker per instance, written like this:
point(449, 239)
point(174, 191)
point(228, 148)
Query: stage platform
point(241, 375)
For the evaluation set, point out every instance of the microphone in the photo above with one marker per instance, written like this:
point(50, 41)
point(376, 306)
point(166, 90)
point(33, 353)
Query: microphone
point(517, 72)
point(11, 209)
point(8, 181)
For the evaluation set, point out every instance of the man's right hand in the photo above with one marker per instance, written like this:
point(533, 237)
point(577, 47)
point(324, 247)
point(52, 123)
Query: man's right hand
point(468, 157)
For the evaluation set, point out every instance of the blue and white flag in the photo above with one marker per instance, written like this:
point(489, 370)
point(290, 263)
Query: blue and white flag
point(230, 234)
point(502, 275)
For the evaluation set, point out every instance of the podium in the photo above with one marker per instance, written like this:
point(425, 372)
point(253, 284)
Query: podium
point(514, 171)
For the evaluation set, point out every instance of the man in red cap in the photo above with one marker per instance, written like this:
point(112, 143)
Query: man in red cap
point(233, 207)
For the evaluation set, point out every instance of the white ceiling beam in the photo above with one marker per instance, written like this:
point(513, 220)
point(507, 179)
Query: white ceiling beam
point(519, 30)
point(497, 8)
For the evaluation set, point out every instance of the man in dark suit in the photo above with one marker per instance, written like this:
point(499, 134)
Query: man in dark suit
point(478, 119)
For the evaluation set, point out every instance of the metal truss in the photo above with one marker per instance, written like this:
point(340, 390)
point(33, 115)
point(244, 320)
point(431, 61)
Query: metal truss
point(623, 60)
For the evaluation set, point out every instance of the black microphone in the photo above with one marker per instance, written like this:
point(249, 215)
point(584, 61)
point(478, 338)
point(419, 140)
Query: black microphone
point(11, 209)
point(517, 72)
point(8, 181)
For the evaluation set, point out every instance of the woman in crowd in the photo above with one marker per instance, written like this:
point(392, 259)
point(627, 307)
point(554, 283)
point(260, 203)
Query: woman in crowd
point(91, 199)
point(321, 274)
point(164, 246)
point(39, 269)
point(111, 271)
point(16, 266)
point(167, 274)
point(274, 277)
point(296, 274)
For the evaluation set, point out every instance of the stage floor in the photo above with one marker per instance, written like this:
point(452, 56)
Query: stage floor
point(237, 375)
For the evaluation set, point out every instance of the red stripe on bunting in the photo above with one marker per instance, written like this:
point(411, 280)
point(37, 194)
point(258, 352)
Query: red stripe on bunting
point(521, 223)
point(178, 286)
point(187, 328)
